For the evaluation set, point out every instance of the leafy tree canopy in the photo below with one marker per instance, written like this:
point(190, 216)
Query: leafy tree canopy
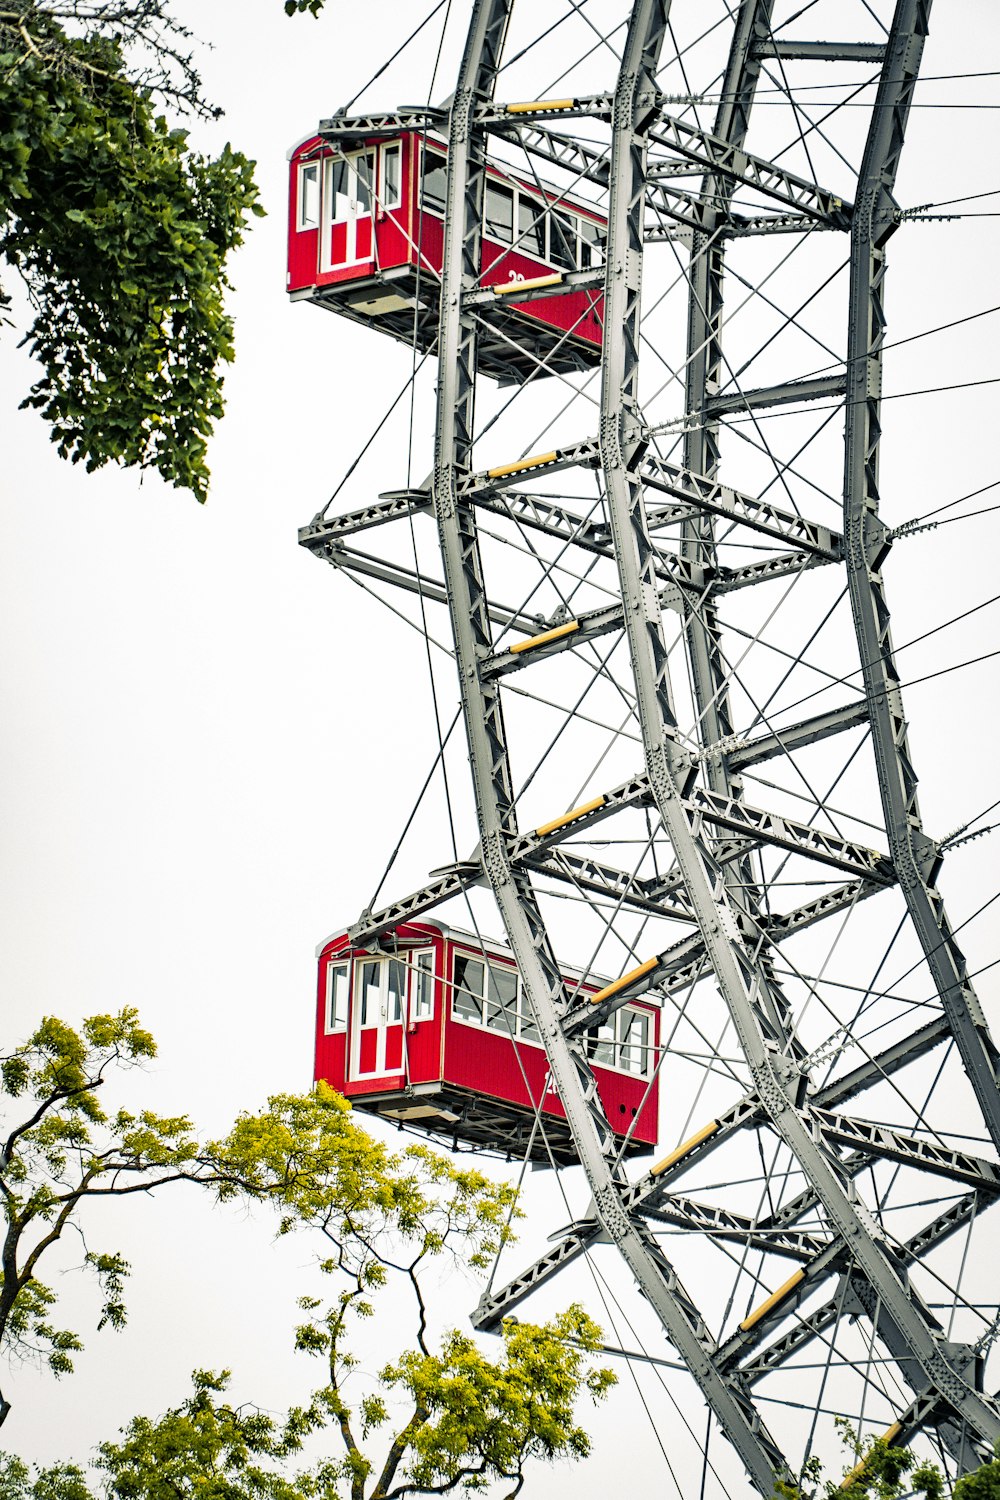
point(441, 1414)
point(120, 232)
point(448, 1414)
point(883, 1470)
point(59, 1148)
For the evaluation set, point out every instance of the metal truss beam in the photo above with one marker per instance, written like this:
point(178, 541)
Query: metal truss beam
point(393, 506)
point(822, 388)
point(754, 1003)
point(494, 1306)
point(860, 52)
point(915, 856)
point(347, 128)
point(659, 898)
point(696, 491)
point(798, 838)
point(370, 925)
point(875, 1069)
point(796, 736)
point(834, 1259)
point(701, 493)
point(412, 582)
point(910, 1150)
point(723, 158)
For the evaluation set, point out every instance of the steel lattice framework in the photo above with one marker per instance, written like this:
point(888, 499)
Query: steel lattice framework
point(871, 1109)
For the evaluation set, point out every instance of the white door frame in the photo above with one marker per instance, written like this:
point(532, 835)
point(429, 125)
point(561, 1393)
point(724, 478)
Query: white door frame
point(344, 208)
point(382, 1021)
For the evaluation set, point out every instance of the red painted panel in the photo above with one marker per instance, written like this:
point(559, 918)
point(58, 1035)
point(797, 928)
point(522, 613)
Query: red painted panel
point(367, 1042)
point(390, 238)
point(303, 257)
point(338, 244)
point(362, 239)
point(393, 1048)
point(385, 1084)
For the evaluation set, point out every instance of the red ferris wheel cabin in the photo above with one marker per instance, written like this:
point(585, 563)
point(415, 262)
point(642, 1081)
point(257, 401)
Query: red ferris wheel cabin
point(432, 1029)
point(366, 238)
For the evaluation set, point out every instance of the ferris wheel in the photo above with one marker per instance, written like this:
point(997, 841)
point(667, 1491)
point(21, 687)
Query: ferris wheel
point(695, 804)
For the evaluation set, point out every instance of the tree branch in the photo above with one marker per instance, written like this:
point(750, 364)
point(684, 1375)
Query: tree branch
point(399, 1446)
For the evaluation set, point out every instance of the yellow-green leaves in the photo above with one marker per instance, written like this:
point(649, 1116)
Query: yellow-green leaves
point(485, 1416)
point(59, 1146)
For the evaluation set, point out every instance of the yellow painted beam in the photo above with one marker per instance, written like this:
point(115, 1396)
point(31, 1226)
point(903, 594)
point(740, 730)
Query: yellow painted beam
point(504, 288)
point(772, 1301)
point(522, 463)
point(540, 106)
point(624, 981)
point(570, 817)
point(684, 1148)
point(555, 634)
point(889, 1437)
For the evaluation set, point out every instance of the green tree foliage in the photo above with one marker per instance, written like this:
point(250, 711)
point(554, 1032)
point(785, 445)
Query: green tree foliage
point(468, 1417)
point(60, 1149)
point(983, 1484)
point(880, 1470)
point(204, 1448)
point(443, 1415)
point(119, 231)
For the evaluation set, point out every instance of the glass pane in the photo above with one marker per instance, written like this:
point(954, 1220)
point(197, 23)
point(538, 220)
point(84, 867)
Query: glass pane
point(635, 1038)
point(337, 997)
point(530, 227)
point(338, 198)
point(529, 1031)
point(423, 987)
point(601, 1044)
point(501, 1006)
point(369, 977)
point(592, 237)
point(365, 181)
point(435, 182)
point(390, 187)
point(309, 196)
point(499, 213)
point(394, 997)
point(467, 1002)
point(562, 241)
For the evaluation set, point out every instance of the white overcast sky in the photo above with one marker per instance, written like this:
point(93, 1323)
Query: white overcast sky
point(210, 740)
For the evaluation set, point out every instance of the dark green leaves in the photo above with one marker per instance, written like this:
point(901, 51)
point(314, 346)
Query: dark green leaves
point(121, 234)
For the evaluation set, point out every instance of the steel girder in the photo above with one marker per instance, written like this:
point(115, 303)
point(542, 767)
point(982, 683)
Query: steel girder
point(915, 856)
point(487, 741)
point(712, 886)
point(756, 1008)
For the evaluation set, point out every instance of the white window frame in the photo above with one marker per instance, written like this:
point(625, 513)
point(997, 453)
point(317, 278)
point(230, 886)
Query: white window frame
point(618, 1024)
point(426, 150)
point(332, 1026)
point(421, 971)
point(316, 166)
point(384, 202)
point(521, 1009)
point(619, 1021)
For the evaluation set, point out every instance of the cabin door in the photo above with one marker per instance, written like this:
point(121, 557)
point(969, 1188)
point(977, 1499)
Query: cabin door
point(348, 200)
point(377, 1021)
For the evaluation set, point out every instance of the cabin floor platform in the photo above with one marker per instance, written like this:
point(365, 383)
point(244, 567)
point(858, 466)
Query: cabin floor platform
point(461, 1117)
point(405, 304)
